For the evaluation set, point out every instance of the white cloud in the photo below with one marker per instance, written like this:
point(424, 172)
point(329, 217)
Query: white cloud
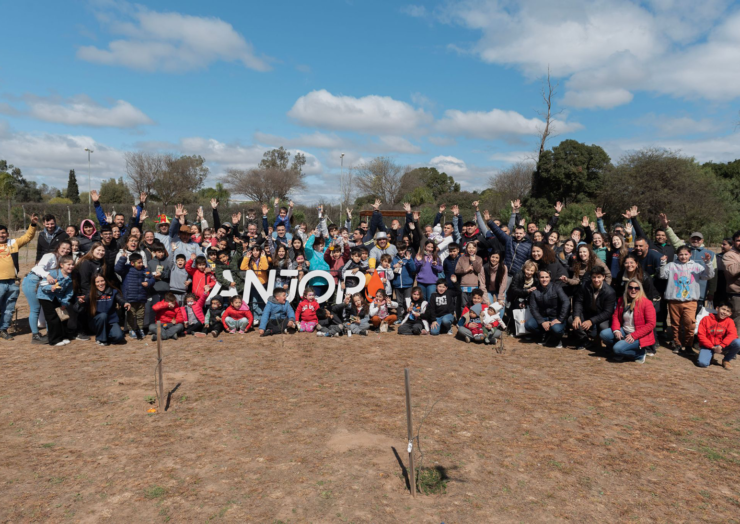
point(442, 141)
point(512, 157)
point(398, 144)
point(714, 149)
point(80, 110)
point(417, 11)
point(677, 126)
point(495, 124)
point(172, 42)
point(606, 50)
point(449, 164)
point(317, 140)
point(368, 114)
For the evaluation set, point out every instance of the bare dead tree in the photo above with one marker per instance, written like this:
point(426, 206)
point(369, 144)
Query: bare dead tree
point(165, 176)
point(548, 92)
point(514, 182)
point(264, 184)
point(143, 169)
point(380, 177)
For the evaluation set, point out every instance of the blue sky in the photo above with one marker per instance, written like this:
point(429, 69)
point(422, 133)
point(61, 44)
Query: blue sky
point(452, 84)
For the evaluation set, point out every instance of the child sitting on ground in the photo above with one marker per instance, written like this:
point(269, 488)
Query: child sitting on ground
point(474, 323)
point(330, 321)
point(463, 332)
point(170, 314)
point(492, 323)
point(278, 317)
point(214, 317)
point(416, 306)
point(136, 281)
point(195, 317)
point(237, 317)
point(305, 313)
point(356, 314)
point(381, 314)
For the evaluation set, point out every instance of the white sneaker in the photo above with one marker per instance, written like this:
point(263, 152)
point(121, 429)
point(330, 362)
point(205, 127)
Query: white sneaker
point(559, 346)
point(62, 343)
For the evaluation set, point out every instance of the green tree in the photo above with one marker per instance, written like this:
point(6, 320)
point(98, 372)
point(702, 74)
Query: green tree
point(280, 159)
point(729, 171)
point(275, 177)
point(219, 192)
point(114, 191)
point(60, 200)
point(420, 195)
point(73, 191)
point(570, 172)
point(7, 191)
point(438, 183)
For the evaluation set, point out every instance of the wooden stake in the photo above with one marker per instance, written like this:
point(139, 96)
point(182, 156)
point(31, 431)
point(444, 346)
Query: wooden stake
point(412, 469)
point(159, 360)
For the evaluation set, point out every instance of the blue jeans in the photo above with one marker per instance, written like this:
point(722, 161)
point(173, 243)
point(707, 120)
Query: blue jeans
point(30, 285)
point(730, 351)
point(9, 292)
point(444, 323)
point(427, 289)
point(105, 332)
point(556, 329)
point(622, 348)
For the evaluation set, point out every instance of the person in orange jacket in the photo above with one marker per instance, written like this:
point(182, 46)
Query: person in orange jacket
point(718, 335)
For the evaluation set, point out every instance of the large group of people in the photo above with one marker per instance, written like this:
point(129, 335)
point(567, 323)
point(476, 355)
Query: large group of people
point(471, 279)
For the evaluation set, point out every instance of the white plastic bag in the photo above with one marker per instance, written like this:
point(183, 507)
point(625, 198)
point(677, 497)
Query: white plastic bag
point(520, 318)
point(705, 311)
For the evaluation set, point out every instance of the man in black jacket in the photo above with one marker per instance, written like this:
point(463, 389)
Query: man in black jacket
point(49, 237)
point(593, 306)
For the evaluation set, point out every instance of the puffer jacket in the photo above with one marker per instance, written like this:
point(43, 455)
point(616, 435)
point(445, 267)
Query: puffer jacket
point(515, 253)
point(716, 332)
point(165, 315)
point(405, 274)
point(316, 259)
point(551, 302)
point(132, 281)
point(644, 318)
point(276, 311)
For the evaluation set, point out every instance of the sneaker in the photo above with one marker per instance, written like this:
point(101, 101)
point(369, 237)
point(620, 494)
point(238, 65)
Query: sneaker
point(726, 364)
point(322, 334)
point(467, 339)
point(139, 335)
point(651, 351)
point(132, 334)
point(199, 334)
point(618, 358)
point(267, 333)
point(451, 333)
point(560, 345)
point(39, 339)
point(232, 331)
point(675, 348)
point(154, 337)
point(214, 334)
point(580, 347)
point(82, 336)
point(241, 331)
point(99, 343)
point(397, 323)
point(174, 337)
point(62, 343)
point(477, 338)
point(5, 335)
point(641, 360)
point(363, 332)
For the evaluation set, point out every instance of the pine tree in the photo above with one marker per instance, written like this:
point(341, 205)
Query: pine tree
point(73, 191)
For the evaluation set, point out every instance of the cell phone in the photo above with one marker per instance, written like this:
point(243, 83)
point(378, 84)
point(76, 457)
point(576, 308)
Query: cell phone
point(159, 269)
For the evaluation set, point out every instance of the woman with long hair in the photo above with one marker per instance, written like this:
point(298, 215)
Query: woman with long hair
point(616, 254)
point(497, 280)
point(131, 244)
point(102, 310)
point(585, 261)
point(599, 246)
point(41, 272)
point(429, 269)
point(544, 257)
point(633, 322)
point(89, 266)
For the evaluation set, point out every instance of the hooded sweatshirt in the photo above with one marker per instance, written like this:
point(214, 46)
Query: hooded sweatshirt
point(683, 279)
point(274, 310)
point(87, 241)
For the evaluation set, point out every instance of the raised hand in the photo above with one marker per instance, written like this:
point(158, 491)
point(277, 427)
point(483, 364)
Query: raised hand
point(214, 203)
point(407, 207)
point(178, 211)
point(377, 203)
point(558, 208)
point(593, 226)
point(34, 219)
point(455, 210)
point(416, 216)
point(486, 215)
point(634, 212)
point(133, 211)
point(442, 208)
point(584, 222)
point(547, 229)
point(515, 205)
point(290, 204)
point(349, 213)
point(109, 218)
point(94, 195)
point(143, 216)
point(627, 214)
point(599, 213)
point(475, 205)
point(628, 228)
point(265, 209)
point(664, 220)
point(199, 214)
point(523, 222)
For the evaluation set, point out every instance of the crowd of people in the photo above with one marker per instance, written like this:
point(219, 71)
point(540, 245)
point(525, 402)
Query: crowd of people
point(471, 279)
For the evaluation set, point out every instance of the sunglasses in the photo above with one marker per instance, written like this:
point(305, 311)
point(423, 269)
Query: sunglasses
point(634, 288)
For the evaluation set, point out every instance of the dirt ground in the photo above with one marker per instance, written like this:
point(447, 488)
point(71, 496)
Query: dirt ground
point(293, 429)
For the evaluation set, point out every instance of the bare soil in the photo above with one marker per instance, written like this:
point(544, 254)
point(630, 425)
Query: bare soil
point(292, 429)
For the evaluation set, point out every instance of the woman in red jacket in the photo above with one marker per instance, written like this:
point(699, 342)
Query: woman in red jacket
point(171, 315)
point(718, 334)
point(633, 322)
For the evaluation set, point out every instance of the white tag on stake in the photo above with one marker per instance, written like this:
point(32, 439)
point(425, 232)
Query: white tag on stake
point(411, 445)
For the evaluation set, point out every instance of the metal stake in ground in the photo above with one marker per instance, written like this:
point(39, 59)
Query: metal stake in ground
point(412, 469)
point(159, 365)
